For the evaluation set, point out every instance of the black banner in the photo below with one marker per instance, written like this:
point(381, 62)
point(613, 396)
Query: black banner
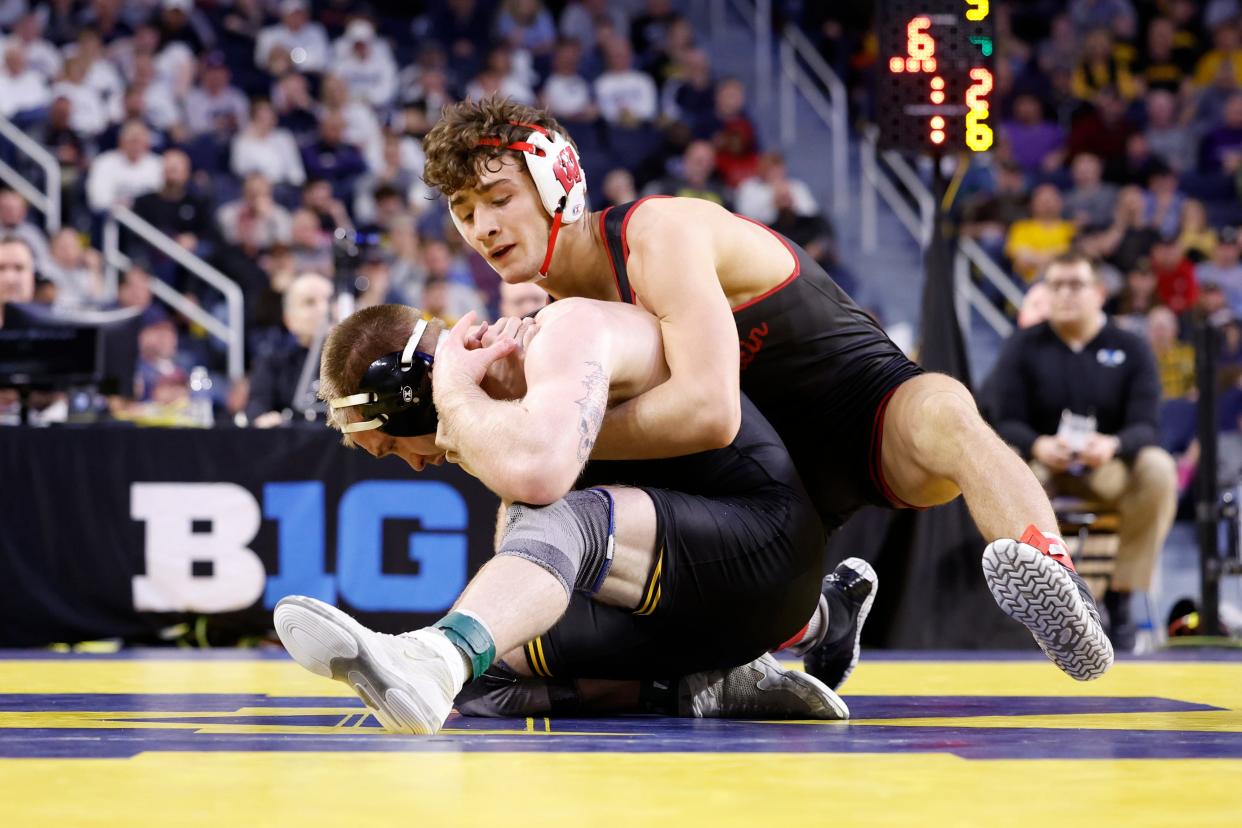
point(117, 532)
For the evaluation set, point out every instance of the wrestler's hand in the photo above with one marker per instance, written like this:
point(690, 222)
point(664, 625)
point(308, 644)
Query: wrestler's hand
point(457, 366)
point(506, 378)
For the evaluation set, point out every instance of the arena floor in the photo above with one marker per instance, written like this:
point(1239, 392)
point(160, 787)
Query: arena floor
point(227, 738)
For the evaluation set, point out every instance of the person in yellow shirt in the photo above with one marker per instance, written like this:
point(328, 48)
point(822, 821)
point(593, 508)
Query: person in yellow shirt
point(1174, 359)
point(1101, 67)
point(1226, 49)
point(1034, 242)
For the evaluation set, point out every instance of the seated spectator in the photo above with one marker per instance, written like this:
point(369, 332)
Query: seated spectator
point(362, 126)
point(521, 299)
point(1197, 237)
point(159, 376)
point(101, 73)
point(330, 211)
point(1213, 306)
point(277, 370)
point(266, 149)
point(1090, 203)
point(1036, 143)
point(1079, 362)
point(1175, 360)
point(583, 18)
point(374, 281)
point(133, 108)
point(366, 65)
point(311, 246)
point(331, 158)
point(1163, 204)
point(526, 24)
point(618, 187)
point(689, 95)
point(449, 284)
point(41, 55)
point(1221, 148)
point(298, 37)
point(394, 179)
point(1175, 276)
point(76, 270)
point(89, 110)
point(811, 231)
point(1129, 238)
point(15, 223)
point(1223, 269)
point(464, 28)
point(57, 135)
point(1163, 65)
point(1224, 56)
point(1033, 243)
point(986, 215)
point(735, 137)
point(215, 106)
point(502, 77)
point(1089, 15)
point(624, 95)
point(105, 19)
point(1130, 307)
point(566, 93)
point(664, 61)
point(174, 209)
point(21, 87)
point(1103, 129)
point(1099, 68)
point(17, 272)
point(255, 221)
point(443, 300)
point(1167, 137)
point(294, 106)
point(697, 177)
point(121, 175)
point(756, 195)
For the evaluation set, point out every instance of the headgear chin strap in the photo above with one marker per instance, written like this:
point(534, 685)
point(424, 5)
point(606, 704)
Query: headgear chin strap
point(394, 395)
point(557, 170)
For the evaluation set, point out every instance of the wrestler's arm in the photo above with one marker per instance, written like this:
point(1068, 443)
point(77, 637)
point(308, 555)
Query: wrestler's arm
point(672, 266)
point(530, 450)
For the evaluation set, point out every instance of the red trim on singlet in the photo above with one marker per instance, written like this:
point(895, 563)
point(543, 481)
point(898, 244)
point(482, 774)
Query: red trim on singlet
point(625, 245)
point(876, 463)
point(797, 268)
point(603, 234)
point(796, 638)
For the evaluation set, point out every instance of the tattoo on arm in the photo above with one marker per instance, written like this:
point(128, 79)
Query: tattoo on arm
point(591, 407)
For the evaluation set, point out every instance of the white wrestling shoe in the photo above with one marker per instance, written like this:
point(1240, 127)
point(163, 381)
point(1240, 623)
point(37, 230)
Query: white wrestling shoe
point(408, 681)
point(1031, 585)
point(762, 689)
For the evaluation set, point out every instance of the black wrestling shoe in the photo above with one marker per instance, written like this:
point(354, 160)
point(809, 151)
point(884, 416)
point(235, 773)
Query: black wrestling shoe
point(849, 591)
point(1121, 628)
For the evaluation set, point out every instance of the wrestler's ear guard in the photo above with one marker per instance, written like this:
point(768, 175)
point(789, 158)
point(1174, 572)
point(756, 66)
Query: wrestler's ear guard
point(394, 395)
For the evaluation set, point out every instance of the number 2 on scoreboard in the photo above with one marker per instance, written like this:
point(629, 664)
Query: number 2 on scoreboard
point(978, 133)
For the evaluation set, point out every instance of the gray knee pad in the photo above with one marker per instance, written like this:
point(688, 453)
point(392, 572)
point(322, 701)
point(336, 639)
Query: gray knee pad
point(571, 538)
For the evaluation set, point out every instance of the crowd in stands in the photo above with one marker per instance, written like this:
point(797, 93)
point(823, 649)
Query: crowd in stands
point(252, 131)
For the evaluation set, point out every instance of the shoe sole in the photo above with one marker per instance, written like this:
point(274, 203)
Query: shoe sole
point(868, 572)
point(329, 643)
point(1037, 591)
point(833, 707)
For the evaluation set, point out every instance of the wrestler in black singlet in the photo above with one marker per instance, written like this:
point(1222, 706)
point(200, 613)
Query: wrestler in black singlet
point(817, 367)
point(737, 573)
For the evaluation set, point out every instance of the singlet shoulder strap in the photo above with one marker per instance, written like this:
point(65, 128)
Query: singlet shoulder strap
point(611, 222)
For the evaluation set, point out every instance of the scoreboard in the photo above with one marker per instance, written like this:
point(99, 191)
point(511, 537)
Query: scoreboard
point(934, 75)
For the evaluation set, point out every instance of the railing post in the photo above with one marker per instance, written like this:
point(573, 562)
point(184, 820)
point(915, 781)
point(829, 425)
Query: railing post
point(868, 196)
point(788, 103)
point(763, 56)
point(111, 248)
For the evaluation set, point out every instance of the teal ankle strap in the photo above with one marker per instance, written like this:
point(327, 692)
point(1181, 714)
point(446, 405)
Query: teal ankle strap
point(471, 636)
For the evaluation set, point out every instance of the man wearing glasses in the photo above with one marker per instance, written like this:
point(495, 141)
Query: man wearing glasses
point(1078, 397)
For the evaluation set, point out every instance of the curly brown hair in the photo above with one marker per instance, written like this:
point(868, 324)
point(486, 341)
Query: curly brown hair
point(362, 338)
point(454, 157)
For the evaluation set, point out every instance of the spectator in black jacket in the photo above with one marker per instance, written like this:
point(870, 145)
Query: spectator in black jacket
point(277, 371)
point(1077, 396)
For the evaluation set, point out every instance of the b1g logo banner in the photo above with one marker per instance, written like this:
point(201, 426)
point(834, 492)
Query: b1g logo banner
point(121, 531)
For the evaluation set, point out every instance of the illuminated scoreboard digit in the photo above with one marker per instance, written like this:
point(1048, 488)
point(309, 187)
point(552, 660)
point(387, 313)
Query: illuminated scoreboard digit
point(934, 78)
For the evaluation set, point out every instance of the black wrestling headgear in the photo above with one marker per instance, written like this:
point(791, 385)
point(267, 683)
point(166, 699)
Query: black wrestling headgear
point(394, 395)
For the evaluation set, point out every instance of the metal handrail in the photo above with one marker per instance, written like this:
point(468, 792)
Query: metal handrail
point(922, 196)
point(48, 201)
point(881, 185)
point(969, 292)
point(232, 334)
point(837, 104)
point(990, 270)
